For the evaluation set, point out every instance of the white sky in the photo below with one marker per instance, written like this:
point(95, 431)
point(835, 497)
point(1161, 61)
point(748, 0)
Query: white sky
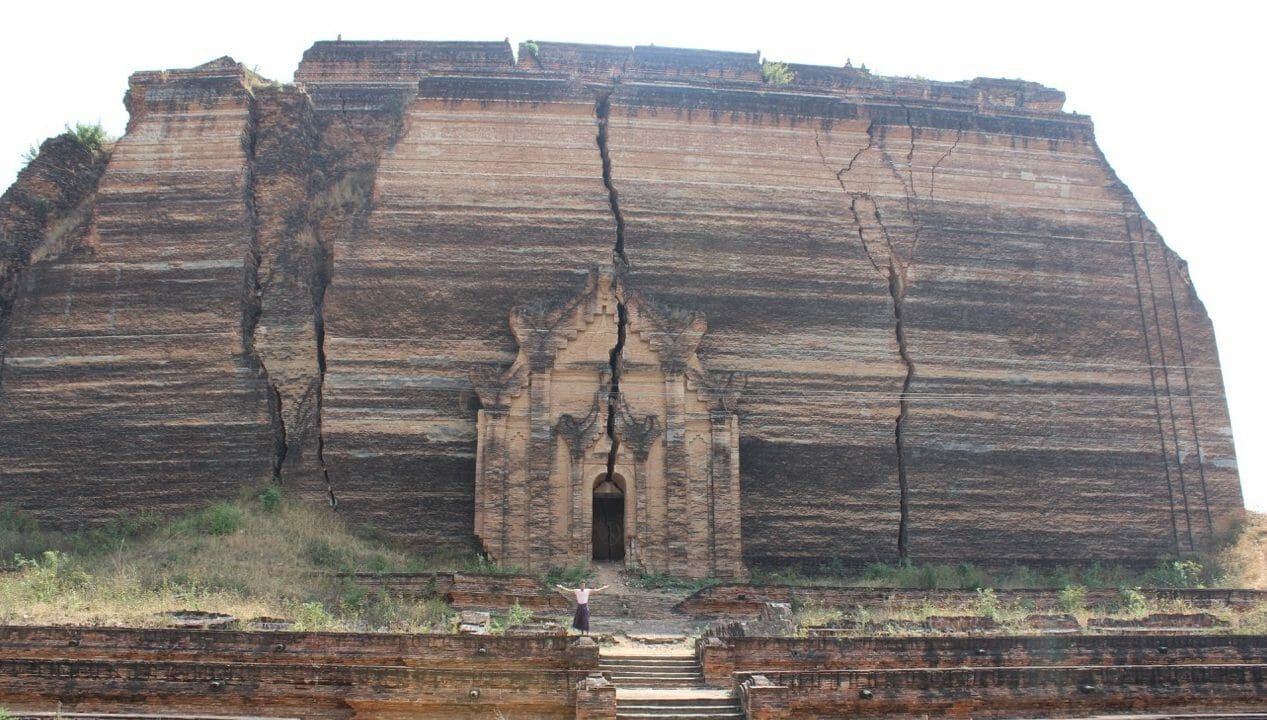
point(1174, 90)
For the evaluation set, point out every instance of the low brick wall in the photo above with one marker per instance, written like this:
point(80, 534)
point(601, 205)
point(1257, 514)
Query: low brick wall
point(440, 650)
point(720, 601)
point(722, 658)
point(310, 675)
point(467, 591)
point(1002, 692)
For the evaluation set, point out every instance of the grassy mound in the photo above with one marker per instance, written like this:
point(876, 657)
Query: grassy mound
point(254, 557)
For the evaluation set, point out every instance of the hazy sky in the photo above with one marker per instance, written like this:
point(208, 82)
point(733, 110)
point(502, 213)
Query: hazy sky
point(1174, 90)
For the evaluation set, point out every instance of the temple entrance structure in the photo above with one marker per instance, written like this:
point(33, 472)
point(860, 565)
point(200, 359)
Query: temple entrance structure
point(607, 438)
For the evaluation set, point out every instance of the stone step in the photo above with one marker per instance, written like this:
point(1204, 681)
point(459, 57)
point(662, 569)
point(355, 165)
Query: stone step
point(688, 662)
point(658, 680)
point(651, 669)
point(660, 671)
point(733, 711)
point(679, 708)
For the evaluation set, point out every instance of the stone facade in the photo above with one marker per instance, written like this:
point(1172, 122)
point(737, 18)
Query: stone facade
point(957, 335)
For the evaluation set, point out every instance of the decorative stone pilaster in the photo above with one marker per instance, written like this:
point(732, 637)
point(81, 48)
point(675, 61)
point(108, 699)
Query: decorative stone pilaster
point(640, 436)
point(722, 390)
point(580, 434)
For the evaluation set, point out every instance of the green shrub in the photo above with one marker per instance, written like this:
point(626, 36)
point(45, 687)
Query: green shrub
point(313, 616)
point(15, 521)
point(532, 49)
point(379, 564)
point(1178, 574)
point(5, 714)
point(776, 73)
point(271, 498)
point(220, 518)
point(664, 581)
point(1131, 600)
point(569, 576)
point(1021, 576)
point(518, 615)
point(878, 573)
point(52, 574)
point(322, 553)
point(89, 137)
point(834, 568)
point(987, 604)
point(972, 577)
point(1072, 599)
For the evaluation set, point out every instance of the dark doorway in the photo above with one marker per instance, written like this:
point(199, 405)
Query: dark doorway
point(609, 521)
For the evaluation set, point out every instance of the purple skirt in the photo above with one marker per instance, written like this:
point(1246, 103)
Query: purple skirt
point(581, 620)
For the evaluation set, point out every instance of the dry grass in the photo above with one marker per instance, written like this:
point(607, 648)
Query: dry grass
point(241, 558)
point(1243, 563)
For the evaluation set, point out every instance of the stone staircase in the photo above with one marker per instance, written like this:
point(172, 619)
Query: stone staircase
point(676, 671)
point(666, 686)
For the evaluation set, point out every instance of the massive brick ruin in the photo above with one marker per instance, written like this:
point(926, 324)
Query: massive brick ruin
point(456, 291)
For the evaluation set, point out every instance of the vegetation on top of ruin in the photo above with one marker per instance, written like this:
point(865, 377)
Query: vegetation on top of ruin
point(776, 73)
point(256, 81)
point(91, 137)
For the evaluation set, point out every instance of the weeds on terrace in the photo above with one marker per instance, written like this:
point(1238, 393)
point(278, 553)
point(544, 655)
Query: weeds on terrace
point(1072, 599)
point(257, 556)
point(665, 581)
point(568, 576)
point(966, 576)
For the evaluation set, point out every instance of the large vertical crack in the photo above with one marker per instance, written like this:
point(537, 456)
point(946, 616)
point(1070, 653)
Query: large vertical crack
point(348, 149)
point(897, 290)
point(302, 191)
point(602, 113)
point(253, 291)
point(893, 260)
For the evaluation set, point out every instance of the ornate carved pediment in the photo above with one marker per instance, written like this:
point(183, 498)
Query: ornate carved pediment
point(673, 334)
point(543, 329)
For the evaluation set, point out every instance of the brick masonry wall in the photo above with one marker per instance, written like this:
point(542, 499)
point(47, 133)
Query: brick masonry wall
point(314, 675)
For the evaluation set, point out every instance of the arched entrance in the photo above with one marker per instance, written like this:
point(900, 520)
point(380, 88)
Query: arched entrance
point(609, 518)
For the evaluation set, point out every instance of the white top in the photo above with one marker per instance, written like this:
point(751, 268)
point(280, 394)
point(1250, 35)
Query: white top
point(582, 596)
